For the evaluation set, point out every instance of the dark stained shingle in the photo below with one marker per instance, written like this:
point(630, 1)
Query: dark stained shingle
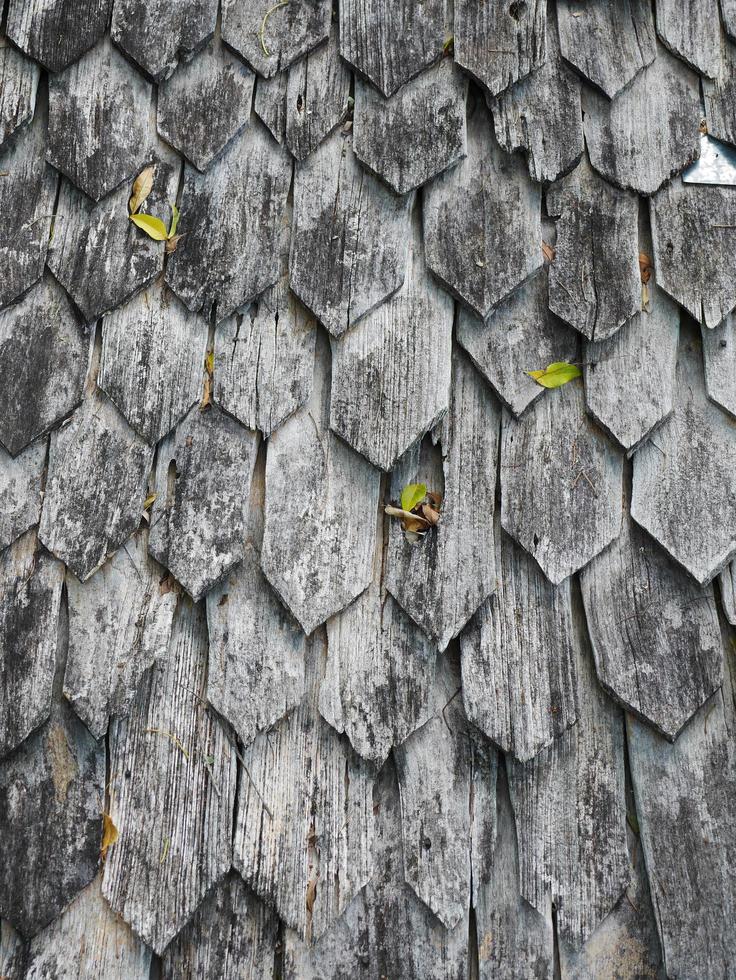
point(270, 36)
point(157, 35)
point(21, 479)
point(57, 32)
point(18, 86)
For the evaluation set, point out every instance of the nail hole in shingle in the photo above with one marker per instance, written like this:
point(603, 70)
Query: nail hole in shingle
point(517, 9)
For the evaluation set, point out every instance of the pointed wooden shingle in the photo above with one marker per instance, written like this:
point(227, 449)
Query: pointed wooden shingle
point(443, 579)
point(57, 32)
point(542, 115)
point(391, 142)
point(88, 940)
point(43, 341)
point(320, 512)
point(560, 483)
point(27, 192)
point(171, 793)
point(51, 802)
point(391, 372)
point(608, 43)
point(264, 359)
point(97, 253)
point(349, 237)
point(20, 490)
point(482, 225)
point(630, 378)
point(390, 43)
point(232, 260)
point(594, 280)
point(521, 334)
point(499, 43)
point(691, 29)
point(270, 104)
point(651, 130)
point(719, 355)
point(654, 632)
point(18, 86)
point(271, 37)
point(232, 934)
point(437, 768)
point(694, 520)
point(202, 477)
point(686, 807)
point(518, 666)
point(99, 121)
point(158, 35)
point(316, 97)
point(719, 97)
point(304, 816)
point(152, 360)
point(700, 278)
point(205, 104)
point(96, 486)
point(30, 595)
point(570, 814)
point(119, 624)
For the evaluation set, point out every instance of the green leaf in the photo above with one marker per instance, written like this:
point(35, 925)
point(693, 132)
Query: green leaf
point(412, 494)
point(153, 227)
point(175, 215)
point(555, 375)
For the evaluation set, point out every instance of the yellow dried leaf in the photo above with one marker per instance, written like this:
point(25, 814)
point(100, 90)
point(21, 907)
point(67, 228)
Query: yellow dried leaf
point(142, 187)
point(209, 362)
point(548, 252)
point(645, 267)
point(412, 495)
point(153, 227)
point(172, 243)
point(555, 375)
point(110, 834)
point(175, 215)
point(148, 502)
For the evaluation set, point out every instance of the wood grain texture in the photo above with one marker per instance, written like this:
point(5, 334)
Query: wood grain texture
point(518, 666)
point(43, 341)
point(349, 237)
point(271, 39)
point(96, 486)
point(27, 191)
point(171, 793)
point(564, 507)
point(482, 225)
point(388, 139)
point(437, 769)
point(542, 115)
point(304, 816)
point(649, 132)
point(630, 378)
point(719, 355)
point(570, 813)
point(20, 490)
point(608, 43)
point(158, 34)
point(18, 87)
point(320, 512)
point(12, 952)
point(386, 931)
point(693, 520)
point(719, 94)
point(231, 935)
point(499, 43)
point(443, 579)
point(692, 236)
point(727, 584)
point(686, 805)
point(515, 941)
point(30, 594)
point(264, 359)
point(97, 254)
point(654, 632)
point(88, 941)
point(391, 372)
point(202, 477)
point(205, 104)
point(152, 360)
point(594, 280)
point(521, 334)
point(119, 624)
point(691, 30)
point(51, 802)
point(231, 261)
point(99, 121)
point(390, 43)
point(57, 32)
point(316, 97)
point(269, 104)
